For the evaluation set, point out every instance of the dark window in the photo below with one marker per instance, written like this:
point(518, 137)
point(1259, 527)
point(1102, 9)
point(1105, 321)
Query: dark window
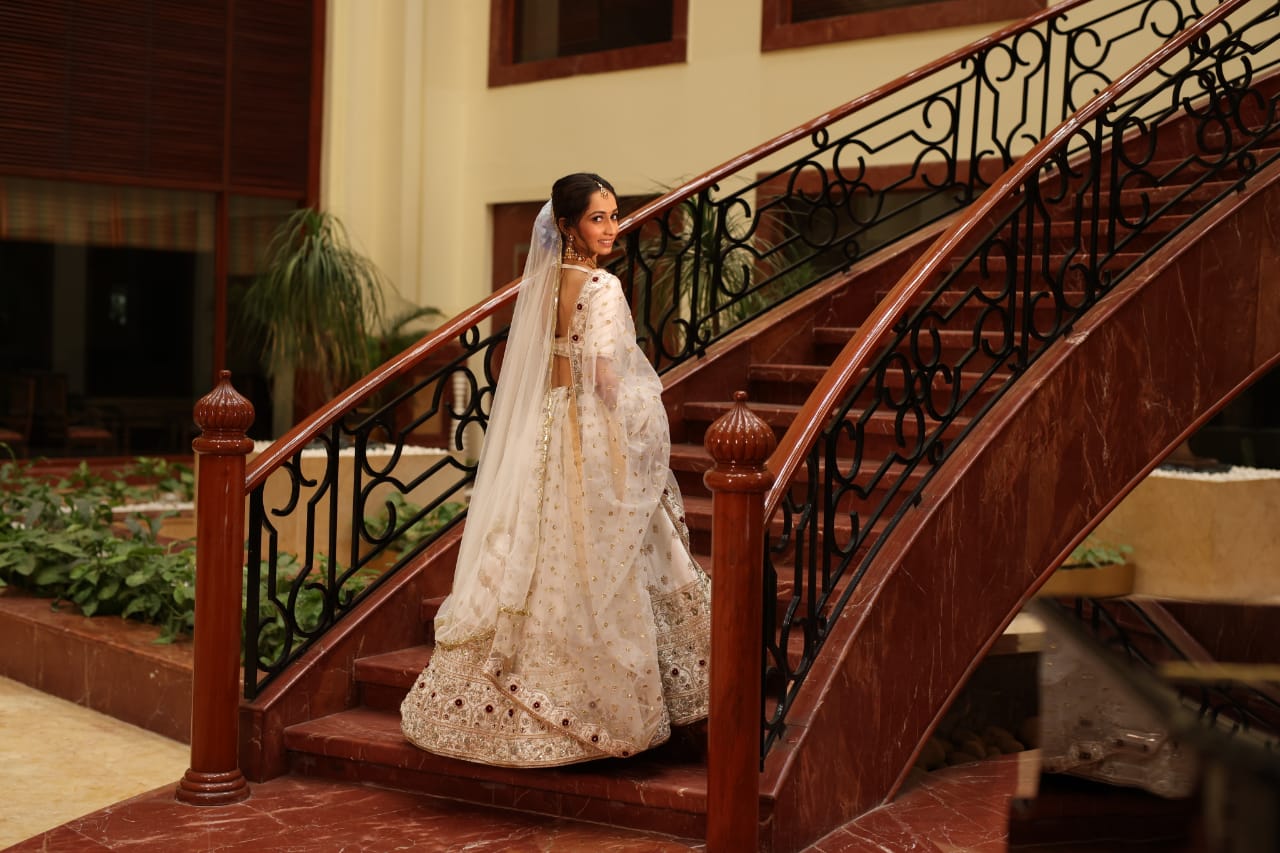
point(812, 10)
point(542, 39)
point(547, 29)
point(798, 23)
point(26, 306)
point(139, 318)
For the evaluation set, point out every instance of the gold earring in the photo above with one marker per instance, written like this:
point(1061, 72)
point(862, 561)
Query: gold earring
point(571, 253)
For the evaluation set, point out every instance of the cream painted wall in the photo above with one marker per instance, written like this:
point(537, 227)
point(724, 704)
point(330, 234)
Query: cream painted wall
point(417, 147)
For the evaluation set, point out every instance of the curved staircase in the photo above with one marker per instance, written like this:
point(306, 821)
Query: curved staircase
point(991, 442)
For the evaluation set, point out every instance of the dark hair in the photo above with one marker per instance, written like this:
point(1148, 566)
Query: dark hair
point(571, 194)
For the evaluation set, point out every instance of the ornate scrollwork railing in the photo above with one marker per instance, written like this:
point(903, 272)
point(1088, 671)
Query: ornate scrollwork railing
point(1183, 130)
point(329, 523)
point(873, 172)
point(361, 499)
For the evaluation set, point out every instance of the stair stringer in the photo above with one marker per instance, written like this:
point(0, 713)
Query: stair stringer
point(1174, 342)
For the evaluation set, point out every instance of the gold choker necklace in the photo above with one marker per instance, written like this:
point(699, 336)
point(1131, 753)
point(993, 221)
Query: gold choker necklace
point(572, 257)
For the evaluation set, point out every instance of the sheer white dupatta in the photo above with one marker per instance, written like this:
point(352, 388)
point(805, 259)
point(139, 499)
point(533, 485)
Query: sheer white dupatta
point(510, 451)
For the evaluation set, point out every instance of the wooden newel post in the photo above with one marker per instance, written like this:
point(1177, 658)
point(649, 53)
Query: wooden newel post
point(739, 442)
point(214, 777)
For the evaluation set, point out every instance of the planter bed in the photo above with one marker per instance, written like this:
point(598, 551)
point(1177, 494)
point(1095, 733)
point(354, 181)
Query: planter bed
point(106, 663)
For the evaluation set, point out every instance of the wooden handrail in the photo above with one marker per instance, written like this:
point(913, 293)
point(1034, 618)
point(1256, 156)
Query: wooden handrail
point(874, 333)
point(289, 444)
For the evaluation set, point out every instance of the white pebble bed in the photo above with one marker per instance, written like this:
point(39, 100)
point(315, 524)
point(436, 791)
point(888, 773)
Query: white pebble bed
point(374, 449)
point(1237, 472)
point(154, 506)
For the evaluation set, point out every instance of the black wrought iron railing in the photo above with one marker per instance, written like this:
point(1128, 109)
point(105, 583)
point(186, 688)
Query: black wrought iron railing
point(365, 496)
point(1230, 706)
point(1186, 128)
point(863, 177)
point(349, 497)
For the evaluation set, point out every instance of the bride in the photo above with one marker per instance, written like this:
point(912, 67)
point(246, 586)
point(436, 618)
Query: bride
point(579, 625)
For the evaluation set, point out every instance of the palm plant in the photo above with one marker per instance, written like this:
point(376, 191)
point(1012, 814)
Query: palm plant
point(316, 305)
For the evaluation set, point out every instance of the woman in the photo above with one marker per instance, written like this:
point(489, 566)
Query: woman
point(579, 625)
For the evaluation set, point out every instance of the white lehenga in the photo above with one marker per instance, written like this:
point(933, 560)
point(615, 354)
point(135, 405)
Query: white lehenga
point(579, 625)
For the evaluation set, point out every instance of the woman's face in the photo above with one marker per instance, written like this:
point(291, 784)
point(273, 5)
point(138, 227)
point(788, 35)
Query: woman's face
point(594, 233)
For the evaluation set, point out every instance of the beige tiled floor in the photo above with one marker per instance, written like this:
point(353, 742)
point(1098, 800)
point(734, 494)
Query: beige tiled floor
point(59, 760)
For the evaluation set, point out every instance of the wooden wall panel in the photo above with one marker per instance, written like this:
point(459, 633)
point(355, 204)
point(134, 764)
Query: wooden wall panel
point(271, 93)
point(137, 90)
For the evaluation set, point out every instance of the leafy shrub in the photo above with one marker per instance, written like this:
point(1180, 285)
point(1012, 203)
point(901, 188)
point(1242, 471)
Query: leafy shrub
point(422, 529)
point(58, 539)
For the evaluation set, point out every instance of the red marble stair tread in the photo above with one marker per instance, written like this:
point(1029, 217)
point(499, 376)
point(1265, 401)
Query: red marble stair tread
point(811, 374)
point(957, 808)
point(687, 456)
point(655, 779)
point(1155, 197)
point(1061, 228)
point(430, 607)
point(393, 669)
point(780, 416)
point(698, 514)
point(840, 335)
point(950, 299)
point(996, 268)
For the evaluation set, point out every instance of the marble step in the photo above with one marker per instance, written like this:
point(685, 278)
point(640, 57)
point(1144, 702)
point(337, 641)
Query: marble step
point(690, 461)
point(1182, 198)
point(662, 789)
point(991, 283)
point(807, 376)
point(956, 348)
point(697, 510)
point(794, 382)
point(780, 416)
point(1066, 234)
point(384, 679)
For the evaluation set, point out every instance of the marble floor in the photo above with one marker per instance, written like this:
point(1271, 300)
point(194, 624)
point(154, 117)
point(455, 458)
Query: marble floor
point(87, 782)
point(62, 760)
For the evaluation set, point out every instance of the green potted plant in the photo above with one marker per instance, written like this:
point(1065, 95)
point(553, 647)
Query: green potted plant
point(767, 250)
point(1095, 569)
point(316, 305)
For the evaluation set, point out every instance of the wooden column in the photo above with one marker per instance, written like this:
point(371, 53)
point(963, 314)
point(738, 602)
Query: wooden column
point(214, 777)
point(739, 442)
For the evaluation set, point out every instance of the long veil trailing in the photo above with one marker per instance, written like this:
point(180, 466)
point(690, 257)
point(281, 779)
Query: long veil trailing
point(508, 456)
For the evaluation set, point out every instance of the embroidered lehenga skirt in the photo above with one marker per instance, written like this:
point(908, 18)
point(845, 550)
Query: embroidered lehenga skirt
point(606, 652)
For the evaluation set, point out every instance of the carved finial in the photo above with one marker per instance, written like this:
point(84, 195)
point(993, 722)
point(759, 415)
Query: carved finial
point(739, 439)
point(223, 415)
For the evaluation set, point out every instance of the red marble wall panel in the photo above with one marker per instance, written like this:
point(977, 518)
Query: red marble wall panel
point(108, 664)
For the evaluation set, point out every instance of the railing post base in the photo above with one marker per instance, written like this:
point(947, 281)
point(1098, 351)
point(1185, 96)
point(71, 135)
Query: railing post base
point(212, 789)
